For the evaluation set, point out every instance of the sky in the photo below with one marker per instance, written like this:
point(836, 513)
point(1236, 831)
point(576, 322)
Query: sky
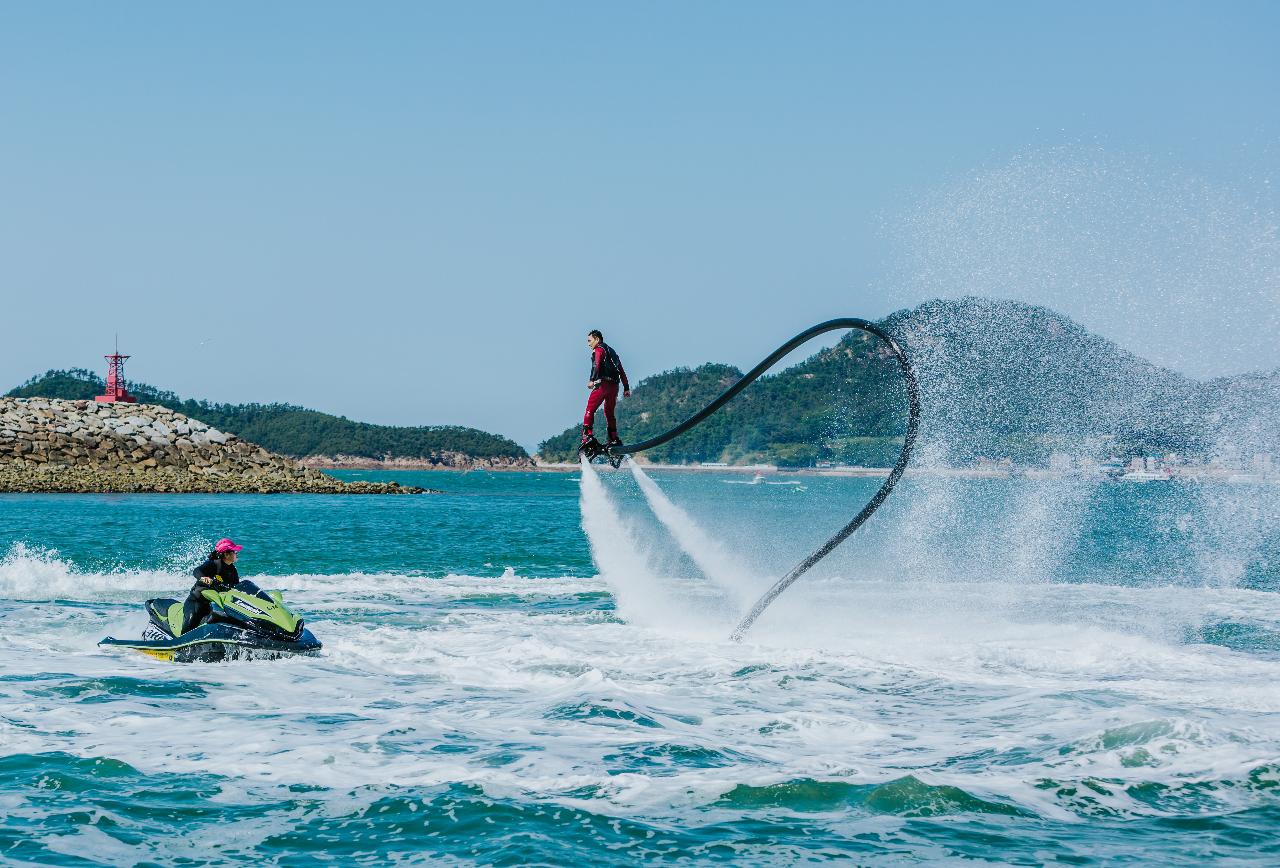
point(411, 213)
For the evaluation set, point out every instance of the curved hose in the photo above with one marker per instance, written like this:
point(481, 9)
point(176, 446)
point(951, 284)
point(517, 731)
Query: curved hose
point(908, 442)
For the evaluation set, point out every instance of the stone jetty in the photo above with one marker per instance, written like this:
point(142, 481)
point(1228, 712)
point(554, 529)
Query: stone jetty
point(50, 445)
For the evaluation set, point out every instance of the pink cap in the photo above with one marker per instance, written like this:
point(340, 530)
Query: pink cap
point(225, 545)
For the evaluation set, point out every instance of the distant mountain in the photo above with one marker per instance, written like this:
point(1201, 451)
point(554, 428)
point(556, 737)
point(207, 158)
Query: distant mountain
point(998, 378)
point(291, 430)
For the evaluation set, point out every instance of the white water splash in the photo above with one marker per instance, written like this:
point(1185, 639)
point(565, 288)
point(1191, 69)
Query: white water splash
point(706, 552)
point(1171, 266)
point(644, 596)
point(33, 573)
point(615, 550)
point(1138, 251)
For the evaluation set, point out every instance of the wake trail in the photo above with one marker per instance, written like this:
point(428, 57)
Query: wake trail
point(706, 552)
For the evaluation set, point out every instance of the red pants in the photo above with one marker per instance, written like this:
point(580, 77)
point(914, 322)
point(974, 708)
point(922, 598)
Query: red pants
point(606, 393)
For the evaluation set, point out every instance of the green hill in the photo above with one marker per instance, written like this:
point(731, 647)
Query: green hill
point(288, 429)
point(997, 378)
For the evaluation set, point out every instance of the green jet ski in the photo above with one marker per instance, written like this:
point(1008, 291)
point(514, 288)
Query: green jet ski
point(244, 622)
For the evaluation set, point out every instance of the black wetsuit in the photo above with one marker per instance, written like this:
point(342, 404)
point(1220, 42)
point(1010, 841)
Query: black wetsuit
point(196, 607)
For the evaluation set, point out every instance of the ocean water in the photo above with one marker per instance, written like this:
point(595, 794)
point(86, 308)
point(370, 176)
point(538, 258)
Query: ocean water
point(534, 669)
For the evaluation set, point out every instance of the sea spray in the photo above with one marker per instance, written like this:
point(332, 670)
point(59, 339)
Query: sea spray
point(709, 554)
point(1236, 541)
point(644, 596)
point(615, 551)
point(919, 548)
point(1044, 519)
point(1162, 261)
point(1146, 255)
point(41, 573)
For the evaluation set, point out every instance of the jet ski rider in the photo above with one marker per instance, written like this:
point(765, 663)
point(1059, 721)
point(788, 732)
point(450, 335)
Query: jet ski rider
point(217, 573)
point(606, 371)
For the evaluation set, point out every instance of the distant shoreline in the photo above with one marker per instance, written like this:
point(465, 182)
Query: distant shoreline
point(763, 469)
point(459, 461)
point(1027, 473)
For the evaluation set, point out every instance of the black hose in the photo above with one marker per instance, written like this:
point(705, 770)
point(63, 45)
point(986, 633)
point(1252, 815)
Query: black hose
point(908, 441)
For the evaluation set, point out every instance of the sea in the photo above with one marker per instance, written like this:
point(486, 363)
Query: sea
point(536, 669)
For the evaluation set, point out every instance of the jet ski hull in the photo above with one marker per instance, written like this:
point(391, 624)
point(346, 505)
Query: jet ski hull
point(213, 643)
point(208, 643)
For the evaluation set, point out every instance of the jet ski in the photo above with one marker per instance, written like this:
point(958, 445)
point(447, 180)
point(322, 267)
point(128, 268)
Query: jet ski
point(244, 622)
point(591, 449)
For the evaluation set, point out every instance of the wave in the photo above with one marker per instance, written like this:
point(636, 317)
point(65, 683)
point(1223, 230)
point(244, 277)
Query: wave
point(29, 573)
point(906, 796)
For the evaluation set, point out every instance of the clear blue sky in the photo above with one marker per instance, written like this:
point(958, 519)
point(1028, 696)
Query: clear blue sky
point(412, 213)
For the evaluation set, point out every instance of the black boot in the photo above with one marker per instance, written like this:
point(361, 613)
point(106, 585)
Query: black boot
point(590, 447)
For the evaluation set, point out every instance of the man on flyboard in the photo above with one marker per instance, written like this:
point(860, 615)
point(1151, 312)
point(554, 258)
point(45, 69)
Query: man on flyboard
point(606, 373)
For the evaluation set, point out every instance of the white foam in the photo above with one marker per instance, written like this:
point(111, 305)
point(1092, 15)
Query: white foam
point(39, 574)
point(616, 552)
point(835, 685)
point(846, 678)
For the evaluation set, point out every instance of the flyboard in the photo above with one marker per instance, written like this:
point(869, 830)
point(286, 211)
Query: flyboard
point(614, 454)
point(591, 449)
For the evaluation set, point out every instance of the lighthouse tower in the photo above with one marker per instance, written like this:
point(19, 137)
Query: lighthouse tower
point(116, 391)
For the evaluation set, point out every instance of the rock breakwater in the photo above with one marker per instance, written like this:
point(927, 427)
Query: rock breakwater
point(51, 445)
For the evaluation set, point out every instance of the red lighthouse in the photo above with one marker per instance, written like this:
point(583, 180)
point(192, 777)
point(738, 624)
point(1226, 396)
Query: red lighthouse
point(116, 392)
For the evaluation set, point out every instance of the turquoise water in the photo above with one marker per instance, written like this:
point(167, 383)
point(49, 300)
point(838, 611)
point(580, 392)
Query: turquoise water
point(1002, 670)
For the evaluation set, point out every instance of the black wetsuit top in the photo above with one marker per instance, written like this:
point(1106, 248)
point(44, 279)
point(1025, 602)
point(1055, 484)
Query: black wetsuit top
point(226, 574)
point(196, 607)
point(605, 365)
